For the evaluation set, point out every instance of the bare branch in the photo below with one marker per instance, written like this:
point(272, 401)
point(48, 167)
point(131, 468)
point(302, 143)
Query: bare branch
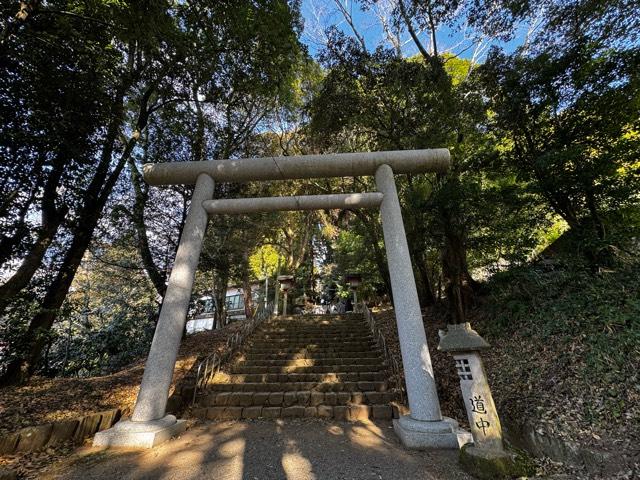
point(383, 12)
point(412, 32)
point(349, 19)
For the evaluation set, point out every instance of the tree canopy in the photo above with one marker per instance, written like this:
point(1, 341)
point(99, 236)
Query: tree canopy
point(539, 107)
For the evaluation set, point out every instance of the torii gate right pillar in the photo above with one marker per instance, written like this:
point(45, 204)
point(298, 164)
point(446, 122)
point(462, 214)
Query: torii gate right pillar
point(424, 427)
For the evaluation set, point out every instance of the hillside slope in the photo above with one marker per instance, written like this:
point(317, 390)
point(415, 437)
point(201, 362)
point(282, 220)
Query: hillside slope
point(562, 367)
point(43, 400)
point(565, 357)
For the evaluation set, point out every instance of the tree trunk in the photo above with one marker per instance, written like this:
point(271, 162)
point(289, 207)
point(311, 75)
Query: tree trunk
point(246, 287)
point(52, 218)
point(432, 29)
point(141, 196)
point(94, 200)
point(414, 35)
point(459, 285)
point(10, 242)
point(594, 214)
point(57, 291)
point(41, 323)
point(30, 264)
point(425, 292)
point(221, 298)
point(199, 138)
point(379, 256)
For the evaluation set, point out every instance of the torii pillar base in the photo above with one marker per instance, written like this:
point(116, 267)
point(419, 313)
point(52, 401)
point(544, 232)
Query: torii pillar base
point(421, 435)
point(140, 434)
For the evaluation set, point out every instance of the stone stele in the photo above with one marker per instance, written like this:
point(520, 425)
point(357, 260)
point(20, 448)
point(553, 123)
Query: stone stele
point(486, 458)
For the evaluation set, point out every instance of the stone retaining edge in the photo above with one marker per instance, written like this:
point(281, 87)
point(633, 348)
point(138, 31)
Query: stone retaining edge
point(39, 436)
point(539, 443)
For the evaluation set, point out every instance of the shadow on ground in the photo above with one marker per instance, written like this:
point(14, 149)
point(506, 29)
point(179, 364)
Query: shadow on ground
point(297, 449)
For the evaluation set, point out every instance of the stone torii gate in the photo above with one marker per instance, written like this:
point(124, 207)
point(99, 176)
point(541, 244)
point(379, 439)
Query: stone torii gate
point(424, 427)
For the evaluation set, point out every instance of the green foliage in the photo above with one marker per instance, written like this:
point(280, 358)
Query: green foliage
point(567, 301)
point(352, 254)
point(109, 318)
point(382, 101)
point(264, 261)
point(457, 68)
point(81, 83)
point(541, 139)
point(575, 146)
point(55, 93)
point(551, 235)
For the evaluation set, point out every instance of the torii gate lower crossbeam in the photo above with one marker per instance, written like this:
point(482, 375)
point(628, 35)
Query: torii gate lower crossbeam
point(424, 427)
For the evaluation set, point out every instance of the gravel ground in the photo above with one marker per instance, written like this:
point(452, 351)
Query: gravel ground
point(284, 449)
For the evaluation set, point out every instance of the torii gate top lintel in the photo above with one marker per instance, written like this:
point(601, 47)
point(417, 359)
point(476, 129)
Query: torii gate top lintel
point(298, 167)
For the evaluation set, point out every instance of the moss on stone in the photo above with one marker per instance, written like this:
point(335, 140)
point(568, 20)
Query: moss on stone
point(490, 466)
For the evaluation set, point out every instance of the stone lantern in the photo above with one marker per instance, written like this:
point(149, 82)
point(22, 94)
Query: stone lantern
point(354, 280)
point(286, 282)
point(486, 457)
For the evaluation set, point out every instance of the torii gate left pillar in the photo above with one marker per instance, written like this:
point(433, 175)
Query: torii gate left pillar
point(424, 427)
point(149, 425)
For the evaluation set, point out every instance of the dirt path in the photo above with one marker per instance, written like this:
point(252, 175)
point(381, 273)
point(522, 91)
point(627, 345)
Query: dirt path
point(297, 449)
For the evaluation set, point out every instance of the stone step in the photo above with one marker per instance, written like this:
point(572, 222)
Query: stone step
point(306, 369)
point(324, 322)
point(319, 316)
point(297, 386)
point(314, 330)
point(324, 335)
point(315, 338)
point(361, 333)
point(350, 413)
point(333, 317)
point(369, 376)
point(312, 362)
point(314, 366)
point(289, 398)
point(315, 349)
point(284, 352)
point(260, 342)
point(316, 324)
point(317, 320)
point(274, 348)
point(353, 328)
point(346, 338)
point(312, 355)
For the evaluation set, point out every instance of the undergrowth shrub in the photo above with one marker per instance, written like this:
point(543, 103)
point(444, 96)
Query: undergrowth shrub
point(568, 303)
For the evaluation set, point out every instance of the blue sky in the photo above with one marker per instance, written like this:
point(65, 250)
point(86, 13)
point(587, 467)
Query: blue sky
point(319, 14)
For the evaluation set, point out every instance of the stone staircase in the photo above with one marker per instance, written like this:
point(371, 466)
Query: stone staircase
point(303, 366)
